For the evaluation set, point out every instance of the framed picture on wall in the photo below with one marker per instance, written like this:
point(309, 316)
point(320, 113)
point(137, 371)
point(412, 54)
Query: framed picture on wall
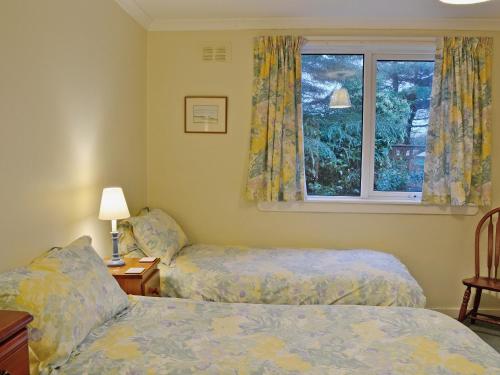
point(205, 114)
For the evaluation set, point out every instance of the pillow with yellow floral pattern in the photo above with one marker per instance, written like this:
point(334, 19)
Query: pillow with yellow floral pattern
point(69, 291)
point(158, 235)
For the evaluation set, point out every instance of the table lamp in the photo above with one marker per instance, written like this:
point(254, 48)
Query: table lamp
point(114, 207)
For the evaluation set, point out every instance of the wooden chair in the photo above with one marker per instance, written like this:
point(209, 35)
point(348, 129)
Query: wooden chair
point(491, 282)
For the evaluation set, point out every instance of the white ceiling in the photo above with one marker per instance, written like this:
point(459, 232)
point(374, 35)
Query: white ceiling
point(241, 14)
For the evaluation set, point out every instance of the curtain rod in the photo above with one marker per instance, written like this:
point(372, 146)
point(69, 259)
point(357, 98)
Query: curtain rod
point(362, 39)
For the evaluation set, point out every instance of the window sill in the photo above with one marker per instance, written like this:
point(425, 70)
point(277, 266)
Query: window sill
point(368, 206)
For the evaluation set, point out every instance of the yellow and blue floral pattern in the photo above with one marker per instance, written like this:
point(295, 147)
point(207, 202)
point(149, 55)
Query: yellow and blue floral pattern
point(127, 243)
point(158, 234)
point(174, 336)
point(69, 292)
point(290, 276)
point(458, 156)
point(276, 166)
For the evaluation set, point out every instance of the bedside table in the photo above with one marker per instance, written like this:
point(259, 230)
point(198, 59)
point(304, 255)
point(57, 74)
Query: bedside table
point(14, 357)
point(146, 283)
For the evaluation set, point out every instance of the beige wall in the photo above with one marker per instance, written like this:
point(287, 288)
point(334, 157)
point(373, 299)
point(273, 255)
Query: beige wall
point(72, 120)
point(199, 178)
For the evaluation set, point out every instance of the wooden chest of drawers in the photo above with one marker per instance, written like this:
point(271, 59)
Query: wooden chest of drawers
point(14, 357)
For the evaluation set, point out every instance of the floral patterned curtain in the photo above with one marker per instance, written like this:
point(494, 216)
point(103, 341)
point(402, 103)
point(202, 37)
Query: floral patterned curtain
point(458, 161)
point(276, 167)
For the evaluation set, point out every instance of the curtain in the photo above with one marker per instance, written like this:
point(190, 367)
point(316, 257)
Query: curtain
point(458, 160)
point(276, 165)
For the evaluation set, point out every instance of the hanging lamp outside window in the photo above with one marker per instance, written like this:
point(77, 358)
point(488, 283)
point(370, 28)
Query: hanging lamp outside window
point(340, 98)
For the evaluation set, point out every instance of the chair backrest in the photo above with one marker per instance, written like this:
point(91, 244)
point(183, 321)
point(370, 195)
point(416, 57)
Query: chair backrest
point(493, 242)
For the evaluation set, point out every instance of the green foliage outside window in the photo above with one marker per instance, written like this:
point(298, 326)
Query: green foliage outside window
point(333, 137)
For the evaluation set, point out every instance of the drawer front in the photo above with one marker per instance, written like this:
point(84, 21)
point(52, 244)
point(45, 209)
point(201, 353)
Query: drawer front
point(151, 287)
point(131, 286)
point(14, 357)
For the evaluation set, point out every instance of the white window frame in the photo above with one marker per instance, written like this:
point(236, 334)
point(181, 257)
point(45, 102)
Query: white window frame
point(393, 49)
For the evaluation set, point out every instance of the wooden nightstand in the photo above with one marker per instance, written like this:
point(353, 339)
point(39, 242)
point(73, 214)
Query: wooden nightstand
point(146, 283)
point(14, 357)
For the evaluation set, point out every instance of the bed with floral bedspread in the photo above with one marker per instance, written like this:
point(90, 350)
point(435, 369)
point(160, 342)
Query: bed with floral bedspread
point(178, 336)
point(267, 275)
point(290, 276)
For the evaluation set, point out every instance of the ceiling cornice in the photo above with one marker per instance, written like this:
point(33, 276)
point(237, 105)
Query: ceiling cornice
point(191, 24)
point(136, 12)
point(483, 24)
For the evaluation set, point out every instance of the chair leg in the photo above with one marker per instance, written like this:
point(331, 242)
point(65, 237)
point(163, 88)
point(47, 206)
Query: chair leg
point(465, 303)
point(477, 300)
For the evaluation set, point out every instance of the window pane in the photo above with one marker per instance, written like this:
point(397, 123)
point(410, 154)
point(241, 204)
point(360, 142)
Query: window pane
point(402, 117)
point(332, 136)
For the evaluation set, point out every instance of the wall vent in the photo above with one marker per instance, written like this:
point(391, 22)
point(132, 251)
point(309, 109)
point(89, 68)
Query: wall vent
point(216, 52)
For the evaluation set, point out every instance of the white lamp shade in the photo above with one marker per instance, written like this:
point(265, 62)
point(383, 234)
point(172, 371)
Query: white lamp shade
point(459, 2)
point(340, 99)
point(113, 204)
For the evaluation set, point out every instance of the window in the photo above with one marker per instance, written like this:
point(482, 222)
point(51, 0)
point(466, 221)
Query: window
point(403, 93)
point(366, 112)
point(333, 138)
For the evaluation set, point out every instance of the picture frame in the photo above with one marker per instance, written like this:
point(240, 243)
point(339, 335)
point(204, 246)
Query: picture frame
point(205, 114)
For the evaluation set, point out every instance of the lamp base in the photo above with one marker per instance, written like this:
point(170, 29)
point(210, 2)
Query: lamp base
point(115, 263)
point(115, 260)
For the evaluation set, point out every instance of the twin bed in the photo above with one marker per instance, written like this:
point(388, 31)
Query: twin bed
point(85, 324)
point(289, 276)
point(178, 336)
point(269, 276)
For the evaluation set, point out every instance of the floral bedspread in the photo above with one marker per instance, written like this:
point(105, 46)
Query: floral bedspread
point(290, 276)
point(178, 336)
